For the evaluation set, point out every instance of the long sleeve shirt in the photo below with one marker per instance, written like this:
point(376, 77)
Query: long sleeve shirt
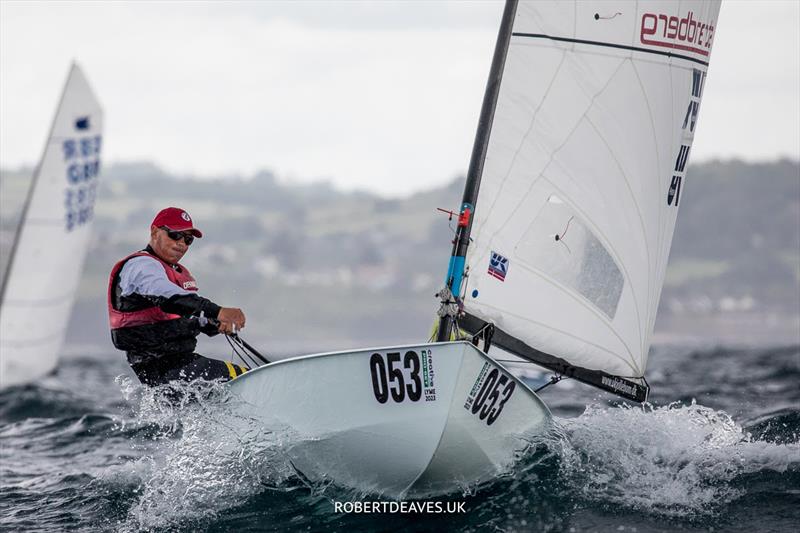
point(145, 276)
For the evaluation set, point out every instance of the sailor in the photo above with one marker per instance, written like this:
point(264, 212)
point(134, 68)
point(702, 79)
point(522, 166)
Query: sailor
point(155, 311)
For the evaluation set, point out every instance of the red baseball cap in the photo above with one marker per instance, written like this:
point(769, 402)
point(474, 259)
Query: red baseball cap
point(176, 219)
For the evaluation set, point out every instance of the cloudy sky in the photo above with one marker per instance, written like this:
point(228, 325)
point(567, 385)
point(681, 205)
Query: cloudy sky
point(374, 95)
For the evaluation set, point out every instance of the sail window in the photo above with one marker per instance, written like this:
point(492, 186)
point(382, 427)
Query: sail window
point(558, 244)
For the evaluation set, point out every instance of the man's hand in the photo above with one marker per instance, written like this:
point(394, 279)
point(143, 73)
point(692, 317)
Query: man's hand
point(231, 320)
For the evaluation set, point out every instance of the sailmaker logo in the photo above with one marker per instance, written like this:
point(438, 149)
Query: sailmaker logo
point(619, 385)
point(679, 33)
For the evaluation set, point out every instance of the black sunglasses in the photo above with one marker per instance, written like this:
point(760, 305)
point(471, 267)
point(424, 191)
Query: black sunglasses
point(188, 238)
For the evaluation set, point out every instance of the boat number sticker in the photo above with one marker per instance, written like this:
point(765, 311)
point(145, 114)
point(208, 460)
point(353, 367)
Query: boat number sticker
point(490, 392)
point(402, 377)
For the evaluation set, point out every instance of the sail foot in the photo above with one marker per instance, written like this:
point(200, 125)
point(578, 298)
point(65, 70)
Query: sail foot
point(621, 386)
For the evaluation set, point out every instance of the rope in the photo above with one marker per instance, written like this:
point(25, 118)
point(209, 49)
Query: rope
point(237, 353)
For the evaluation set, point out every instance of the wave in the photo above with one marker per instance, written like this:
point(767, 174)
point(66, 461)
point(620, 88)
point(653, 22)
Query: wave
point(677, 460)
point(183, 457)
point(203, 461)
point(201, 456)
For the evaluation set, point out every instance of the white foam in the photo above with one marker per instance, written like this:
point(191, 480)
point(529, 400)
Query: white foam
point(677, 460)
point(204, 458)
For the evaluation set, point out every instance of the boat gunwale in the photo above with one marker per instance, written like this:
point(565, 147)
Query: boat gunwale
point(465, 343)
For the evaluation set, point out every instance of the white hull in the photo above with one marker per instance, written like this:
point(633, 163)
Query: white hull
point(410, 439)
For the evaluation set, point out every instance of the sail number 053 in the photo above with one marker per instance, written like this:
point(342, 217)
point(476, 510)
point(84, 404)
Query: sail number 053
point(496, 387)
point(388, 378)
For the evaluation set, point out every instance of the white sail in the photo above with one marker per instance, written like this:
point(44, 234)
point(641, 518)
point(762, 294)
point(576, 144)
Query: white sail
point(584, 173)
point(47, 256)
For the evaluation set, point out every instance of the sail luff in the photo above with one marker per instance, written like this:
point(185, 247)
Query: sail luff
point(455, 269)
point(31, 190)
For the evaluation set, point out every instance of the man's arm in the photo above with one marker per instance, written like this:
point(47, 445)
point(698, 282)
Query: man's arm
point(145, 276)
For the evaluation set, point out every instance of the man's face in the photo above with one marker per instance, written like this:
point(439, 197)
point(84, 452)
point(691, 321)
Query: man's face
point(165, 248)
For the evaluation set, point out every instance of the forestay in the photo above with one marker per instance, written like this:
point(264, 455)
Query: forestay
point(46, 260)
point(584, 173)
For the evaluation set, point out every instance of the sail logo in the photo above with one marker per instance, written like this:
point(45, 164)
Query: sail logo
point(685, 33)
point(498, 266)
point(620, 386)
point(82, 123)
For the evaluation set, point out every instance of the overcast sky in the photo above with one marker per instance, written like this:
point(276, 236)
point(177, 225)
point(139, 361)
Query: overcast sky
point(374, 95)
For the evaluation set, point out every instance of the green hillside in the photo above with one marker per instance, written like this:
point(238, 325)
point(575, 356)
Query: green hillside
point(314, 266)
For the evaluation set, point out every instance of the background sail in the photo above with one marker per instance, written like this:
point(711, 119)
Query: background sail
point(584, 173)
point(47, 258)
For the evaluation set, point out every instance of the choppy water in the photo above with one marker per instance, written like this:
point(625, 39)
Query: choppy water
point(719, 449)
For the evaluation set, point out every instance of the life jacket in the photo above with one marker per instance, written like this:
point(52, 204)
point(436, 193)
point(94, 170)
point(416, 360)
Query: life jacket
point(140, 327)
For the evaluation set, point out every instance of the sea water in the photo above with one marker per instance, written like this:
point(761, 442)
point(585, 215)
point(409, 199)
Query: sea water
point(717, 449)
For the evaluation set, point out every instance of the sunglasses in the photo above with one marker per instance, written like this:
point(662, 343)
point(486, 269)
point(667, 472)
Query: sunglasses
point(188, 238)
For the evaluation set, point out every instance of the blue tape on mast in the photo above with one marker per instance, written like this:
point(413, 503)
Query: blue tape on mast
point(455, 271)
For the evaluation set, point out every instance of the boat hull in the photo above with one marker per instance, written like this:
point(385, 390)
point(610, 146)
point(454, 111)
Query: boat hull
point(407, 421)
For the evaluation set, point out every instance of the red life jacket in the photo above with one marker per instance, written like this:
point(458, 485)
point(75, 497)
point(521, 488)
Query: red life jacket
point(143, 328)
point(121, 319)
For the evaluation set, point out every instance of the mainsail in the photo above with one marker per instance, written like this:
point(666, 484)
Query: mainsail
point(586, 143)
point(46, 260)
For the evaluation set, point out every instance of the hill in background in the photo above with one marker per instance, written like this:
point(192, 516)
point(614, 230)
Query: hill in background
point(317, 268)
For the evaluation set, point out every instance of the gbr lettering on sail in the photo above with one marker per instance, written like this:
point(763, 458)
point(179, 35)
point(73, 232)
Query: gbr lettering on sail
point(687, 134)
point(690, 33)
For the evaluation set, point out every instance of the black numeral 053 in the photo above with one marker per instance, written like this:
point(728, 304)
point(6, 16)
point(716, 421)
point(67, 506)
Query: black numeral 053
point(388, 379)
point(496, 387)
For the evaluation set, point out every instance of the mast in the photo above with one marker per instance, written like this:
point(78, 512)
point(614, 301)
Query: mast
point(455, 270)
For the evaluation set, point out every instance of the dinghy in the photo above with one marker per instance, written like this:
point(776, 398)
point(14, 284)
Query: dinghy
point(563, 235)
point(46, 259)
point(401, 421)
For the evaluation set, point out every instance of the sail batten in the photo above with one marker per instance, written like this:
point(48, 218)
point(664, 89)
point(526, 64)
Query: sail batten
point(583, 174)
point(610, 45)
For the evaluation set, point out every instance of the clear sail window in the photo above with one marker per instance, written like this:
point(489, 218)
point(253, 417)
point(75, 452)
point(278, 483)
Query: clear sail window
point(558, 244)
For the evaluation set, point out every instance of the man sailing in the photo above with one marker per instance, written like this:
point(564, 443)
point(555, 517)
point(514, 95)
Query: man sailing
point(156, 314)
